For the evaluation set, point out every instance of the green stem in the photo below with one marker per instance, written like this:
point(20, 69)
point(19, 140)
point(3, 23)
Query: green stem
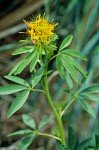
point(54, 56)
point(50, 101)
point(49, 135)
point(67, 106)
point(38, 90)
point(58, 117)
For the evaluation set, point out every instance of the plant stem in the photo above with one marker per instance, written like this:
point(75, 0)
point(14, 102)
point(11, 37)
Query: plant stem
point(54, 56)
point(67, 106)
point(38, 90)
point(58, 117)
point(49, 135)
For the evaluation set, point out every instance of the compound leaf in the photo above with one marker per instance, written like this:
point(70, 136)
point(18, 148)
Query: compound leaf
point(66, 42)
point(29, 121)
point(24, 49)
point(11, 88)
point(17, 80)
point(18, 102)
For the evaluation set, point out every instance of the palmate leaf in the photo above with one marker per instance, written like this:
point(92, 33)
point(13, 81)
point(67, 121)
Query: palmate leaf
point(86, 81)
point(69, 81)
point(21, 132)
point(24, 49)
point(76, 65)
point(11, 88)
point(90, 96)
point(24, 63)
point(21, 65)
point(91, 89)
point(37, 76)
point(74, 53)
point(87, 107)
point(69, 67)
point(34, 60)
point(66, 42)
point(18, 102)
point(17, 80)
point(26, 141)
point(60, 67)
point(44, 121)
point(14, 69)
point(29, 121)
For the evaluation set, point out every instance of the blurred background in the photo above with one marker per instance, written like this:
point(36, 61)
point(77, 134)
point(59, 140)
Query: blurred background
point(77, 17)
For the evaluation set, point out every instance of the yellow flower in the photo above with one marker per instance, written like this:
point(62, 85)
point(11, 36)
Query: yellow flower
point(40, 31)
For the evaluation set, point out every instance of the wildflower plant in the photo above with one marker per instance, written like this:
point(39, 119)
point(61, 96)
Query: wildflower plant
point(42, 34)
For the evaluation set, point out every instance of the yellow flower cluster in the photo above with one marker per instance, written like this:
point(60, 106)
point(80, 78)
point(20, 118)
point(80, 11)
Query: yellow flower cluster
point(40, 30)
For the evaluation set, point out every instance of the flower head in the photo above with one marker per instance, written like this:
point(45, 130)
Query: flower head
point(40, 30)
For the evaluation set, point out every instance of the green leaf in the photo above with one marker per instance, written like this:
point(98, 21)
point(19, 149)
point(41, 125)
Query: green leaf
point(60, 67)
point(97, 141)
point(21, 65)
point(11, 88)
point(87, 80)
point(18, 102)
point(21, 132)
point(72, 52)
point(26, 141)
point(48, 72)
point(66, 42)
point(91, 89)
point(29, 121)
point(87, 107)
point(69, 80)
point(34, 60)
point(44, 121)
point(71, 138)
point(15, 68)
point(83, 143)
point(37, 76)
point(17, 80)
point(24, 63)
point(76, 64)
point(69, 67)
point(54, 37)
point(24, 49)
point(89, 96)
